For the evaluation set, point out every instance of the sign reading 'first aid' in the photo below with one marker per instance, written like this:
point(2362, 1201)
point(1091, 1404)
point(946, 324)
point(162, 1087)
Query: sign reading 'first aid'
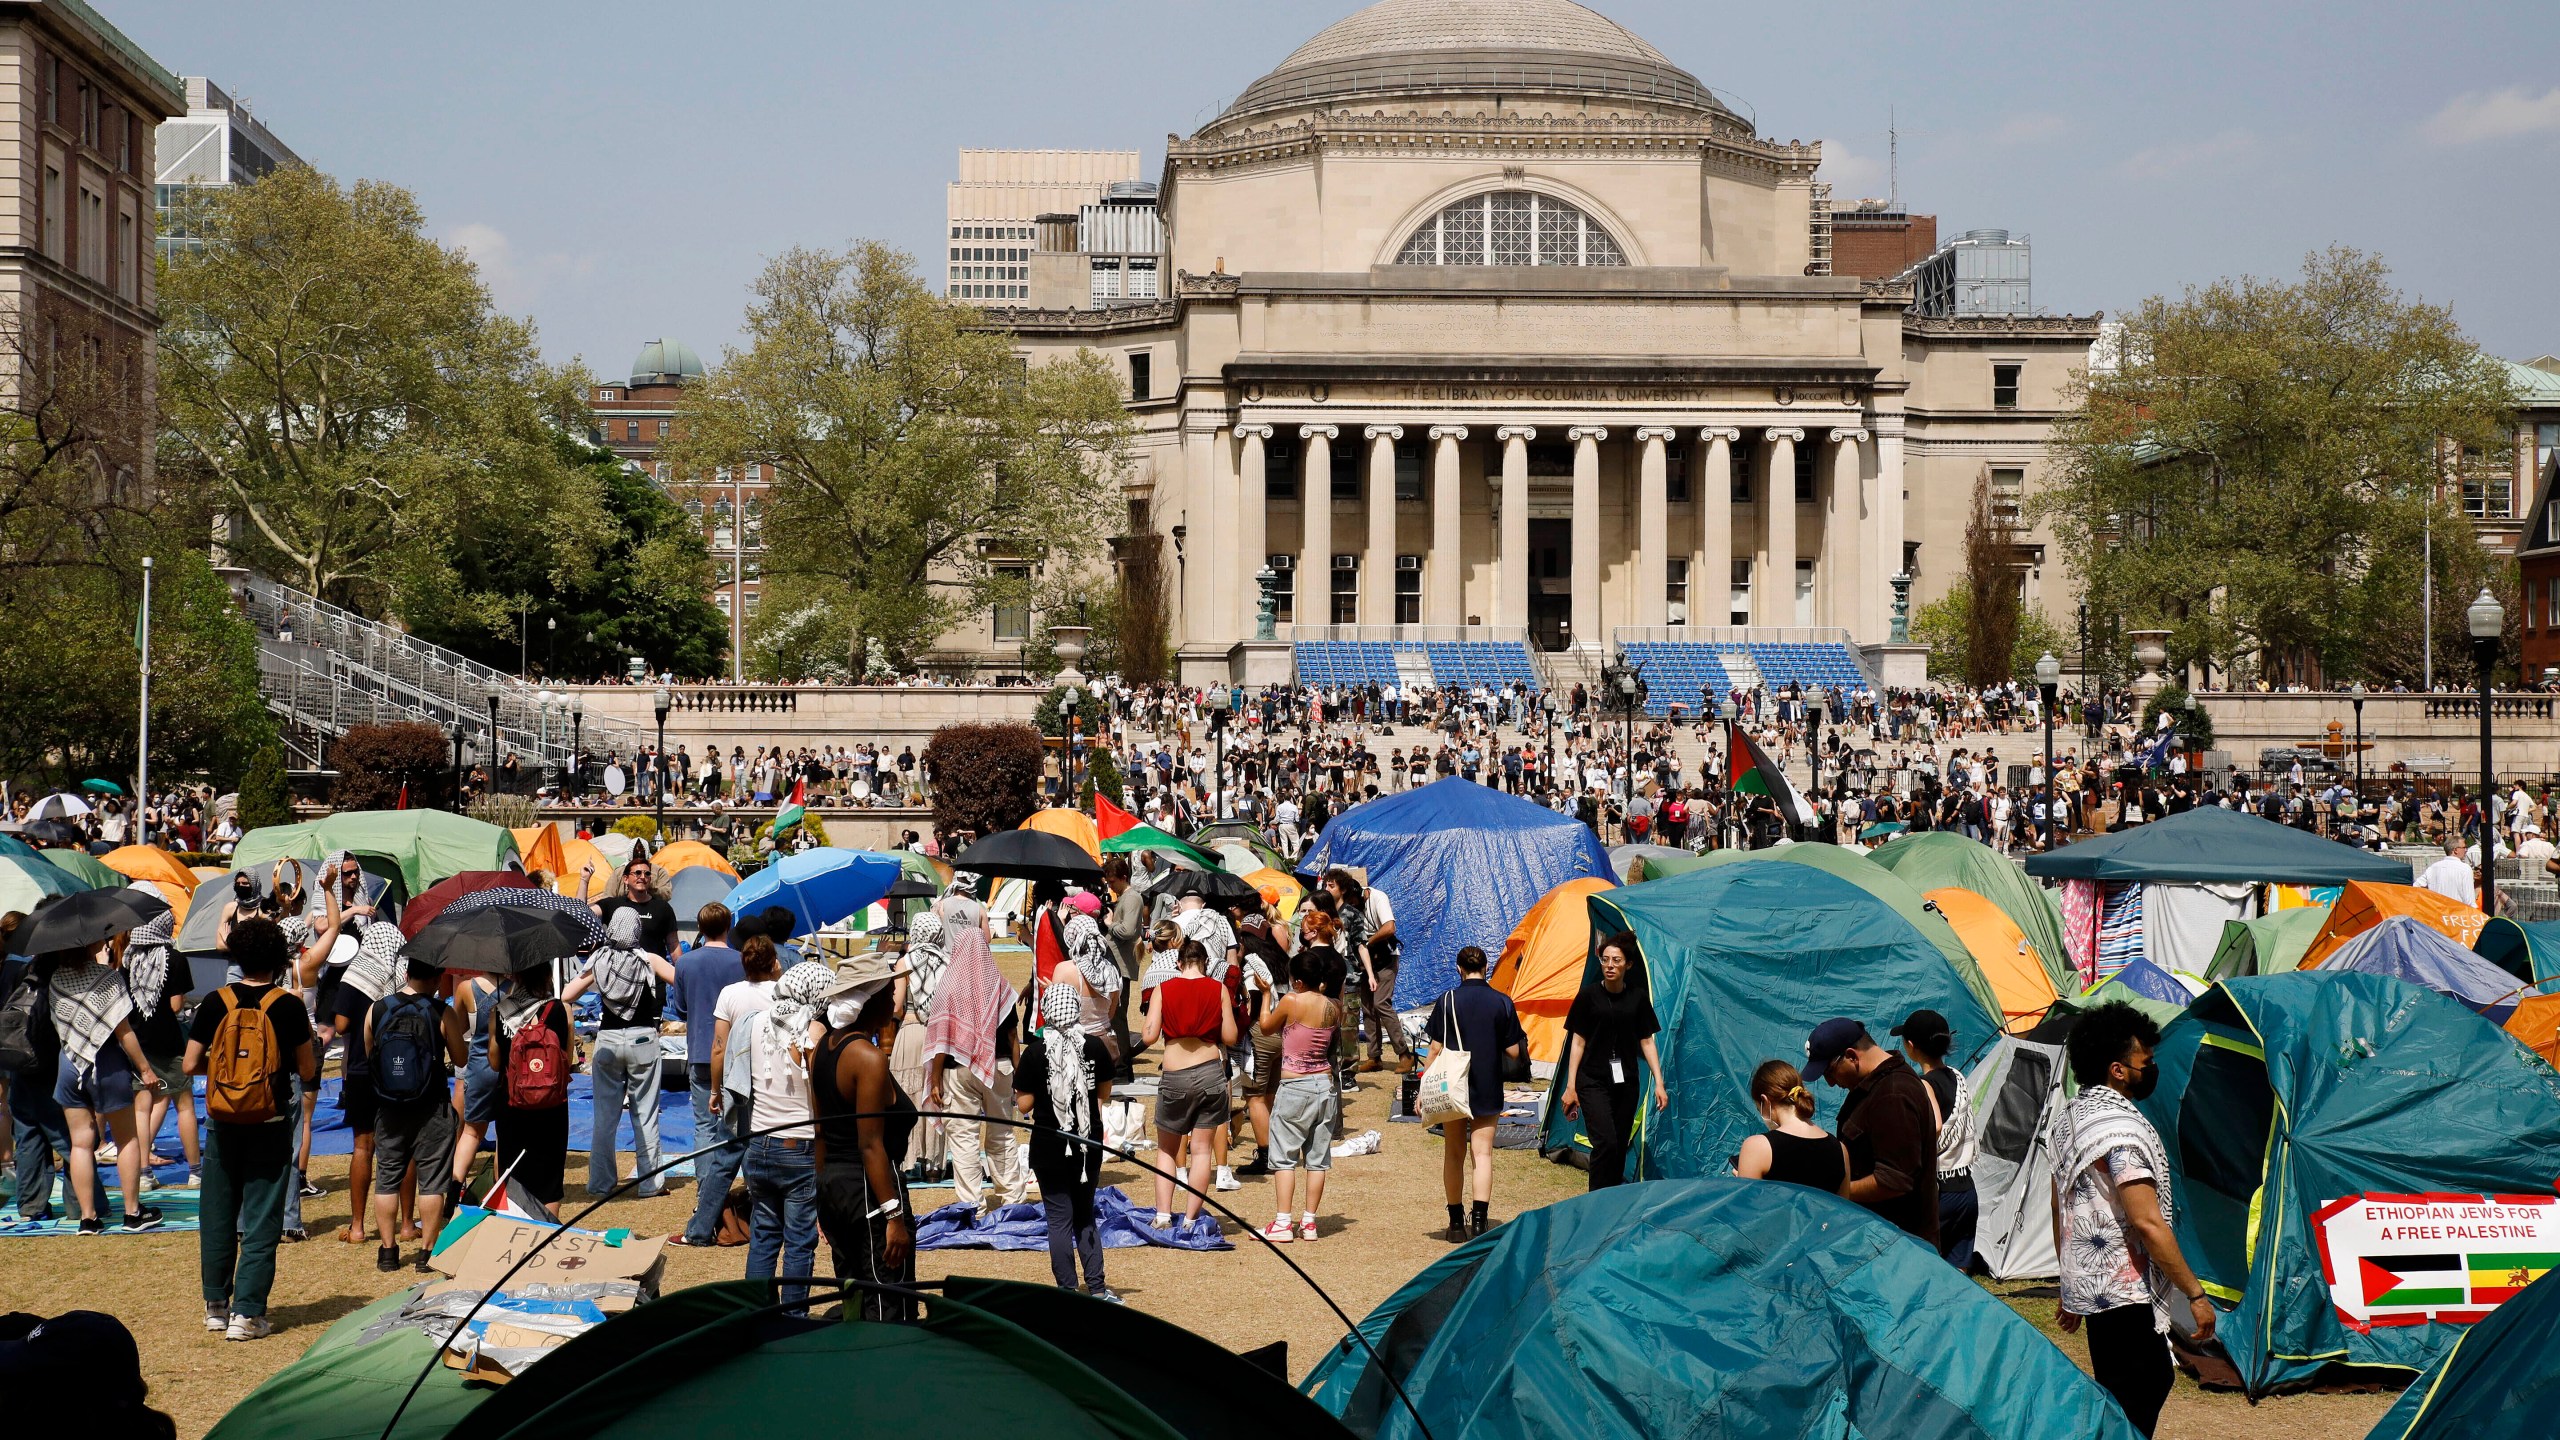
point(2450, 1259)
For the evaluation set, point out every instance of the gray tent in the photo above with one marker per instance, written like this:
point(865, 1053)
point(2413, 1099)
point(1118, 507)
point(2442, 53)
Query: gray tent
point(2017, 1100)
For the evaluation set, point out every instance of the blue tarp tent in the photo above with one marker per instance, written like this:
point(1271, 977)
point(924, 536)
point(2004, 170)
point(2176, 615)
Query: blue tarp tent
point(2411, 949)
point(1461, 864)
point(1742, 961)
point(1704, 1307)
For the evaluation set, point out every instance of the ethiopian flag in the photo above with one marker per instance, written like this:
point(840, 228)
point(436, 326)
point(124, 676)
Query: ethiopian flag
point(1748, 770)
point(2496, 1278)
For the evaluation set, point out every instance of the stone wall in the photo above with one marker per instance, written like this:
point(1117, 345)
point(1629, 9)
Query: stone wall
point(796, 715)
point(2400, 728)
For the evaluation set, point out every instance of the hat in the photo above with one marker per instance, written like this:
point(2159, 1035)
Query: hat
point(860, 972)
point(1924, 1025)
point(1830, 1040)
point(80, 1352)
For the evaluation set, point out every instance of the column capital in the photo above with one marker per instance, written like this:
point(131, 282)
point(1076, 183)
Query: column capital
point(1329, 432)
point(1644, 433)
point(1782, 432)
point(1516, 432)
point(1708, 435)
point(1381, 432)
point(1849, 437)
point(1448, 432)
point(1254, 432)
point(1587, 432)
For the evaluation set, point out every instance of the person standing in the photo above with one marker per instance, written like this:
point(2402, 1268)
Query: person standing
point(1195, 1018)
point(1926, 1039)
point(1611, 1025)
point(732, 1080)
point(1306, 1109)
point(1479, 1020)
point(864, 1121)
point(1793, 1148)
point(921, 967)
point(781, 1165)
point(2113, 1216)
point(529, 1049)
point(416, 1040)
point(626, 1065)
point(159, 996)
point(251, 1041)
point(41, 1144)
point(1371, 948)
point(1889, 1122)
point(2451, 875)
point(657, 917)
point(102, 1065)
point(969, 1063)
point(710, 967)
point(1064, 1077)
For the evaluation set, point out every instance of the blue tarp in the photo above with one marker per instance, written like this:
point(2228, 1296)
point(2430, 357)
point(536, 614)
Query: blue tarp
point(2153, 983)
point(1026, 1227)
point(1461, 864)
point(2410, 949)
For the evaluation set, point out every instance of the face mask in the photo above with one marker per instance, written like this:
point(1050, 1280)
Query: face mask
point(842, 1013)
point(2145, 1080)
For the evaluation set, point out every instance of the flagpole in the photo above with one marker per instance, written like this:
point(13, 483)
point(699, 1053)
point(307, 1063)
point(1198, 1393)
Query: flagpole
point(142, 762)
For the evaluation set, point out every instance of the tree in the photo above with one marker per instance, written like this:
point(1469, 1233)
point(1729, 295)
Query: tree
point(2254, 472)
point(374, 762)
point(1991, 582)
point(342, 386)
point(1102, 773)
point(2192, 721)
point(914, 456)
point(264, 799)
point(985, 778)
point(1945, 625)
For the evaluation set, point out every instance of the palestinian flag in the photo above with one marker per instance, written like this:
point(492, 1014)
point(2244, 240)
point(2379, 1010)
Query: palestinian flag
point(1110, 819)
point(1748, 770)
point(2495, 1278)
point(2414, 1280)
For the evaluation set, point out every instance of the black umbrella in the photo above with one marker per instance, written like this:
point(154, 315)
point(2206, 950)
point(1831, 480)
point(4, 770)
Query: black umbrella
point(911, 888)
point(1217, 887)
point(497, 940)
point(53, 832)
point(1029, 855)
point(77, 922)
point(550, 902)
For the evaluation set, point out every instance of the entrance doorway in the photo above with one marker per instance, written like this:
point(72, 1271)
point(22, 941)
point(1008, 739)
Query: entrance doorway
point(1551, 584)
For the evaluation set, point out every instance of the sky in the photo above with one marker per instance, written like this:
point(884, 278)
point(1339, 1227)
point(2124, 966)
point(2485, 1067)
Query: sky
point(622, 171)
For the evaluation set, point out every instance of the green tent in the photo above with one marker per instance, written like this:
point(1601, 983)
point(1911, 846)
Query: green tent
point(424, 846)
point(2528, 950)
point(1892, 889)
point(2272, 943)
point(1250, 836)
point(1742, 961)
point(1148, 837)
point(346, 1387)
point(1936, 859)
point(1710, 1307)
point(2355, 1161)
point(27, 881)
point(88, 869)
point(2496, 1383)
point(2215, 845)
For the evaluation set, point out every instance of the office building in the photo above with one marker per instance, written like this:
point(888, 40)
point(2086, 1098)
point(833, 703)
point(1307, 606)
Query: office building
point(216, 143)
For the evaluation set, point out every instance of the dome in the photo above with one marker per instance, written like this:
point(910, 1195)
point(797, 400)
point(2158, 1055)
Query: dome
point(662, 361)
point(1404, 49)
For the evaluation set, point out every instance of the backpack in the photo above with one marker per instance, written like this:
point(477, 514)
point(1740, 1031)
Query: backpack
point(408, 1048)
point(537, 1067)
point(27, 1041)
point(241, 1063)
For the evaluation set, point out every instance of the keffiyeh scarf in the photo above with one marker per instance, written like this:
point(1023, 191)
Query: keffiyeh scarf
point(795, 1003)
point(927, 955)
point(146, 958)
point(2102, 1120)
point(1070, 1077)
point(623, 975)
point(89, 1001)
point(969, 1007)
point(1092, 955)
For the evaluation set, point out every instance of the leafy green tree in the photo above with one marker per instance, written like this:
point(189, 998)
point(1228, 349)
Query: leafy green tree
point(912, 451)
point(2192, 721)
point(1945, 625)
point(1102, 773)
point(264, 798)
point(359, 412)
point(2254, 473)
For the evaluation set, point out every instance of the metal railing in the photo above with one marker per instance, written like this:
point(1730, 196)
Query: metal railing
point(1408, 634)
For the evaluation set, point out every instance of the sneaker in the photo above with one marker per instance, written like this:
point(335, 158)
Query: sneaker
point(146, 1218)
point(1227, 1179)
point(425, 1263)
point(1307, 1228)
point(93, 1227)
point(1106, 1295)
point(217, 1318)
point(195, 1179)
point(1259, 1169)
point(387, 1259)
point(1278, 1231)
point(248, 1327)
point(292, 1237)
point(1164, 1220)
point(309, 1190)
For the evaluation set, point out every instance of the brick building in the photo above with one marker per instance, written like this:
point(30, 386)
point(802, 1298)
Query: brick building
point(1878, 239)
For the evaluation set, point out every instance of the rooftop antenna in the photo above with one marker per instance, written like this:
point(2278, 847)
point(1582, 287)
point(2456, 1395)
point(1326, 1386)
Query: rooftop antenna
point(1892, 161)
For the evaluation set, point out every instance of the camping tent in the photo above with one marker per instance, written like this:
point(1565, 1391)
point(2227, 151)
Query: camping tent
point(539, 847)
point(1741, 961)
point(1886, 886)
point(84, 867)
point(2216, 845)
point(2008, 959)
point(2496, 1383)
point(1542, 963)
point(2362, 905)
point(686, 854)
point(425, 846)
point(150, 862)
point(1073, 824)
point(2298, 1108)
point(1461, 864)
point(2270, 943)
point(2528, 950)
point(345, 1387)
point(1221, 833)
point(2017, 1089)
point(1705, 1307)
point(2409, 948)
point(1935, 859)
point(582, 858)
point(27, 881)
point(2110, 990)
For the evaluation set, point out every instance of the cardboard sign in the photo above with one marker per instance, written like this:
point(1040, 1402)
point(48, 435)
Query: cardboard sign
point(482, 1258)
point(2450, 1259)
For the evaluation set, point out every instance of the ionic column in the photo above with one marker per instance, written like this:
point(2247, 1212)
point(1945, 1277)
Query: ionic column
point(1253, 522)
point(1586, 533)
point(1774, 588)
point(1712, 567)
point(1315, 549)
point(1444, 569)
point(1653, 525)
point(1511, 562)
point(1378, 586)
point(1846, 535)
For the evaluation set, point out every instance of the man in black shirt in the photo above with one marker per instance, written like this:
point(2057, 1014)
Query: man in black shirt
point(249, 1167)
point(1888, 1124)
point(657, 917)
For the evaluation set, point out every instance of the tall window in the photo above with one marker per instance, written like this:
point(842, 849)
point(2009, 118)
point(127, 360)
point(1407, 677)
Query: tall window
point(1142, 277)
point(1280, 468)
point(1675, 589)
point(1012, 623)
point(2004, 387)
point(1511, 227)
point(1408, 589)
point(2008, 494)
point(1142, 367)
point(1106, 279)
point(1738, 609)
point(1675, 473)
point(1346, 590)
point(1285, 606)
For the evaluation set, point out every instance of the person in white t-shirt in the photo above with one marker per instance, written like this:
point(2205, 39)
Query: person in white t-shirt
point(2452, 875)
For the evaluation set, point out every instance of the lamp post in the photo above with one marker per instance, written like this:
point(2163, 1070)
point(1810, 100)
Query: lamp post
point(494, 698)
point(577, 761)
point(2355, 697)
point(1623, 684)
point(457, 766)
point(1725, 711)
point(662, 702)
point(551, 643)
point(1067, 756)
point(2048, 686)
point(2488, 621)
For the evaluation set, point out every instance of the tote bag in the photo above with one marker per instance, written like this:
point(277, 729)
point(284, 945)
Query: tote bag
point(1442, 1094)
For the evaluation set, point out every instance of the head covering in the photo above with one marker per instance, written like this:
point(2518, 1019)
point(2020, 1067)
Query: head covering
point(969, 1007)
point(146, 958)
point(623, 930)
point(1830, 1040)
point(623, 974)
point(1070, 1076)
point(927, 954)
point(1092, 955)
point(795, 1003)
point(1084, 902)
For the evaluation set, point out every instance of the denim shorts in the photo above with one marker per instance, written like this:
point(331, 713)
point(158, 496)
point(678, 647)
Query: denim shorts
point(110, 1086)
point(1302, 1122)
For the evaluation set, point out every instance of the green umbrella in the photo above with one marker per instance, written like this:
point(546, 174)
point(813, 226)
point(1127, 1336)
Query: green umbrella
point(1881, 829)
point(102, 787)
point(85, 866)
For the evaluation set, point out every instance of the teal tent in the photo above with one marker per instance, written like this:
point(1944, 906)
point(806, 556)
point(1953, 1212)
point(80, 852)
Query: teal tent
point(2528, 950)
point(2311, 1118)
point(1742, 961)
point(2500, 1381)
point(1710, 1308)
point(2214, 845)
point(2268, 945)
point(415, 847)
point(1936, 859)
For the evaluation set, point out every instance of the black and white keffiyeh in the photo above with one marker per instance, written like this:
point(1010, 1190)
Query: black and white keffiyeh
point(89, 1001)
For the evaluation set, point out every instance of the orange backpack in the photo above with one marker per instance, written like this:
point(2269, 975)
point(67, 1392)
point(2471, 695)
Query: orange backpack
point(241, 1063)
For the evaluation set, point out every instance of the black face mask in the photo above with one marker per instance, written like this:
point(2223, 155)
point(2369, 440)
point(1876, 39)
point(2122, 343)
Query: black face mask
point(2145, 1080)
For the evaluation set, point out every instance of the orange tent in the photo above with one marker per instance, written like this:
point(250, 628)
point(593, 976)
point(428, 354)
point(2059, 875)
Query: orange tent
point(539, 845)
point(575, 857)
point(1278, 889)
point(2363, 904)
point(685, 854)
point(177, 895)
point(1073, 824)
point(1543, 962)
point(2008, 959)
point(2536, 1026)
point(150, 862)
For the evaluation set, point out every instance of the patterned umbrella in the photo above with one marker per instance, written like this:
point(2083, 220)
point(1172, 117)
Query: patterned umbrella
point(415, 915)
point(498, 940)
point(552, 900)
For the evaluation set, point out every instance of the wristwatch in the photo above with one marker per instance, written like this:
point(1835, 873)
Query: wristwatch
point(891, 1206)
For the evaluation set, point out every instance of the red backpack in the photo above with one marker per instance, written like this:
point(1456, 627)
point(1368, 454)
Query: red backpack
point(537, 1066)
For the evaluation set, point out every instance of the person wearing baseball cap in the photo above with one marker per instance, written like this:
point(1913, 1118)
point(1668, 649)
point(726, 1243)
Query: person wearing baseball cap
point(1889, 1123)
point(1926, 1039)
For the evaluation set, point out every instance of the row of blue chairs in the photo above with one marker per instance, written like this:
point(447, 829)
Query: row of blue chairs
point(1455, 664)
point(1693, 673)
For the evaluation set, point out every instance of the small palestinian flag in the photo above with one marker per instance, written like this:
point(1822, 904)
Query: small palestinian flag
point(1110, 819)
point(2495, 1278)
point(2414, 1280)
point(1748, 770)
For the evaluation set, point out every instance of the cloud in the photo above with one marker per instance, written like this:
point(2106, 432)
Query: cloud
point(2031, 128)
point(514, 279)
point(2214, 152)
point(1849, 172)
point(2494, 115)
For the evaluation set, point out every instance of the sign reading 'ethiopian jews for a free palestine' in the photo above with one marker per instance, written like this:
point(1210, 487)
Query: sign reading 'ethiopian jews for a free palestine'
point(2410, 1259)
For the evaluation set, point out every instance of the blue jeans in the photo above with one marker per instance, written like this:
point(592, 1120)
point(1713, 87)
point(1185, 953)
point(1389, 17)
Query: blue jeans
point(782, 1178)
point(625, 1070)
point(43, 1142)
point(713, 1170)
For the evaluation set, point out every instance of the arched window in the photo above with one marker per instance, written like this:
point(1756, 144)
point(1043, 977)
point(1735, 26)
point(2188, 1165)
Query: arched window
point(1511, 227)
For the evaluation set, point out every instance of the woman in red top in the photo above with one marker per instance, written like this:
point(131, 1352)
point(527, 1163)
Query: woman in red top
point(1194, 1017)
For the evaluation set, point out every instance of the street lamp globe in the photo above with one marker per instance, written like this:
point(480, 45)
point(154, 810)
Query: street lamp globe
point(2048, 671)
point(663, 701)
point(2487, 617)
